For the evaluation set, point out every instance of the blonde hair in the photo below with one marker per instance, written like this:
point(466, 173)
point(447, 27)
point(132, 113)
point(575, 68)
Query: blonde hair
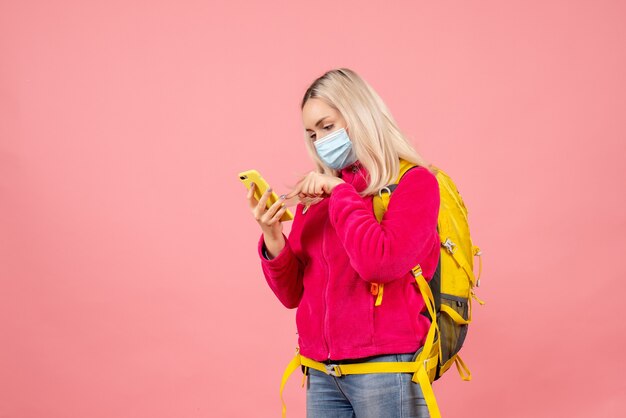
point(376, 138)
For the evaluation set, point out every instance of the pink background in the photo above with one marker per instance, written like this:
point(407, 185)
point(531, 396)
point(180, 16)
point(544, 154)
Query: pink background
point(129, 280)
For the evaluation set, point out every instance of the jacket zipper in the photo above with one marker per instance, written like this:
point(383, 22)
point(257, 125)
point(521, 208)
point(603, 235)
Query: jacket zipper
point(326, 335)
point(325, 331)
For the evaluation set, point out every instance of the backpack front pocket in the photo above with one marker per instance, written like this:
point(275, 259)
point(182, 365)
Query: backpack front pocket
point(452, 334)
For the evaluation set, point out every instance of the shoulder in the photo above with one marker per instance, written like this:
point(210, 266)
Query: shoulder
point(416, 194)
point(419, 178)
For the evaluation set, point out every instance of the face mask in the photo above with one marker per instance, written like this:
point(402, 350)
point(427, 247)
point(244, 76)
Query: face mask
point(335, 149)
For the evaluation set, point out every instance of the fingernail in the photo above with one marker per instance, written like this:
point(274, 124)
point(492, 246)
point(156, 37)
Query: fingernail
point(283, 196)
point(269, 190)
point(251, 184)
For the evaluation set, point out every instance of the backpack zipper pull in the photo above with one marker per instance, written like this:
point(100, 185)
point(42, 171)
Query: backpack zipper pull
point(449, 245)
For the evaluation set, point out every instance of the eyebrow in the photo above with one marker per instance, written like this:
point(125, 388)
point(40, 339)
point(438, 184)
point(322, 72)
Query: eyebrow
point(319, 121)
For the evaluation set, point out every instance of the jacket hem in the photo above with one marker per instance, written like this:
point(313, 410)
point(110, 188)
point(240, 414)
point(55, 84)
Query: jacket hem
point(379, 350)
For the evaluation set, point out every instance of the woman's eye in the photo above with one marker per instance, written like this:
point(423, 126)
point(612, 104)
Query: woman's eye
point(327, 127)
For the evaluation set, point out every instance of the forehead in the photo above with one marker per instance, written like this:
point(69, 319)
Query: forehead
point(315, 109)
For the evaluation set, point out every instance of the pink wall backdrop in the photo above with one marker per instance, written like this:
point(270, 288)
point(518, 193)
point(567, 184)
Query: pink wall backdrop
point(129, 280)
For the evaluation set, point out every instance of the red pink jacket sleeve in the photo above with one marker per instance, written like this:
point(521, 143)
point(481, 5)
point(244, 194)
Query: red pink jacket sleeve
point(382, 252)
point(283, 274)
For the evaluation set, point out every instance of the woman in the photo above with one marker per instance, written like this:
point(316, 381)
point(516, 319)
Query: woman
point(337, 248)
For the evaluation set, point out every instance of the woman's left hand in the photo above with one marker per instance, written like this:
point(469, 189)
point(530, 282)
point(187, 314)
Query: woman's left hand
point(314, 185)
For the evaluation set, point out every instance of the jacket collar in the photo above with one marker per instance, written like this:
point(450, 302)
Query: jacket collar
point(351, 168)
point(355, 174)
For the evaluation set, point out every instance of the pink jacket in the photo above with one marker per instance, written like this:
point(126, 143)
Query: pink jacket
point(337, 248)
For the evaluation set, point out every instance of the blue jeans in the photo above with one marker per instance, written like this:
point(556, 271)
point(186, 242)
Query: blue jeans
point(375, 395)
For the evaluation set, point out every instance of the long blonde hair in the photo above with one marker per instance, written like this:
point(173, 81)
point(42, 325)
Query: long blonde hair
point(376, 138)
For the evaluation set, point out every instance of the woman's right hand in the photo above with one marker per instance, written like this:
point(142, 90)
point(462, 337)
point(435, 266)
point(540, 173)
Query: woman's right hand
point(269, 219)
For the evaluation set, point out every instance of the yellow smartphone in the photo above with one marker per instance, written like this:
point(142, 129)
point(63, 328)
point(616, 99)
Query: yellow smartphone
point(253, 176)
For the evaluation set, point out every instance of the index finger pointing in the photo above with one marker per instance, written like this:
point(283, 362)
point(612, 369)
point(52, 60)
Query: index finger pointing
point(291, 194)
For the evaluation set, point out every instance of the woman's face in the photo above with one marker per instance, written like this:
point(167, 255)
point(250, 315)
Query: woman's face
point(320, 119)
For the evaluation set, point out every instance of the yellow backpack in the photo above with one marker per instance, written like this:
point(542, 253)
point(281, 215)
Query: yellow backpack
point(448, 297)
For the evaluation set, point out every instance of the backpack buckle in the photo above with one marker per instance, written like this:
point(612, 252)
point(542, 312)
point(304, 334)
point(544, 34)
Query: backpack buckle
point(449, 245)
point(417, 271)
point(333, 370)
point(380, 192)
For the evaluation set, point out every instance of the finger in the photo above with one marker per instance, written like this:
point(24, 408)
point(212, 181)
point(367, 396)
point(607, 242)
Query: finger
point(315, 186)
point(310, 188)
point(279, 214)
point(312, 201)
point(289, 202)
point(273, 209)
point(300, 185)
point(319, 187)
point(261, 207)
point(251, 199)
point(293, 192)
point(324, 188)
point(304, 187)
point(296, 188)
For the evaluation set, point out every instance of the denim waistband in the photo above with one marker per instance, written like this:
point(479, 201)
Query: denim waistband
point(370, 358)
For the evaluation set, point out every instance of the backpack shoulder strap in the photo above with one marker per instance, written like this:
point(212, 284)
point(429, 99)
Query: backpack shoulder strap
point(381, 201)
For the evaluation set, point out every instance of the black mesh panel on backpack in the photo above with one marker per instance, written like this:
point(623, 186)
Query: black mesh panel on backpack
point(452, 335)
point(435, 287)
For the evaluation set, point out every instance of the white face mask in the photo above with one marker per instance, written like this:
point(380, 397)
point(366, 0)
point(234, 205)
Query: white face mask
point(335, 149)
